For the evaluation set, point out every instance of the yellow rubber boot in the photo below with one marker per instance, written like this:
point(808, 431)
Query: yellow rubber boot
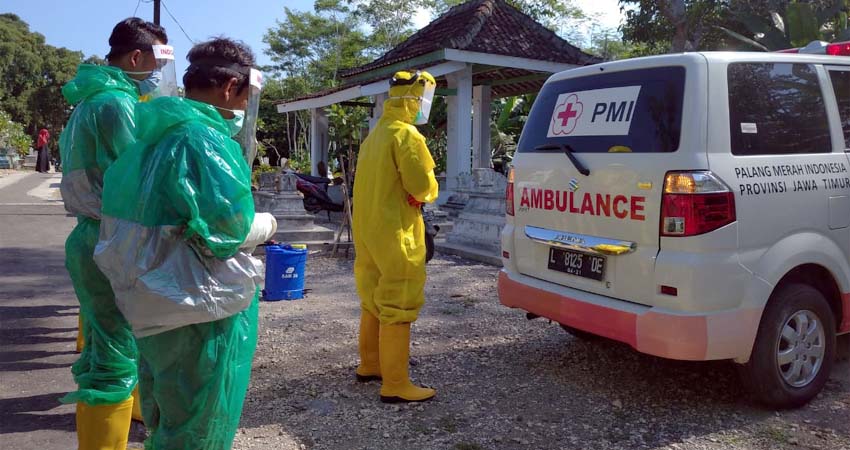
point(394, 343)
point(369, 368)
point(104, 427)
point(137, 405)
point(81, 340)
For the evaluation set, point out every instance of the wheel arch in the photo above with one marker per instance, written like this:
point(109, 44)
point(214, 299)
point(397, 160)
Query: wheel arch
point(820, 278)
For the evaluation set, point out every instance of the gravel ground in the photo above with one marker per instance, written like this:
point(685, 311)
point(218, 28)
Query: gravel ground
point(503, 382)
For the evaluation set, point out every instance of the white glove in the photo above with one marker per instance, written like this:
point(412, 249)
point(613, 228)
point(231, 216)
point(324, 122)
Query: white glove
point(263, 228)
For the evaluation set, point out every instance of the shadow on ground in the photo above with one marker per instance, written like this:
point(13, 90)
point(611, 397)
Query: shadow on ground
point(20, 415)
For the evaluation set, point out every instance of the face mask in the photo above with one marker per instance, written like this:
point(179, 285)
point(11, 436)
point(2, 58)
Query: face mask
point(424, 109)
point(423, 113)
point(235, 124)
point(150, 84)
point(425, 102)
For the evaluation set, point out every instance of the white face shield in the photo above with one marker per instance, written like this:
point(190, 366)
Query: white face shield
point(164, 55)
point(425, 103)
point(247, 136)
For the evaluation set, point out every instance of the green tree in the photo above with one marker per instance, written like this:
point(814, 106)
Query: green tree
point(777, 25)
point(31, 77)
point(608, 44)
point(390, 24)
point(308, 50)
point(316, 45)
point(12, 135)
point(678, 25)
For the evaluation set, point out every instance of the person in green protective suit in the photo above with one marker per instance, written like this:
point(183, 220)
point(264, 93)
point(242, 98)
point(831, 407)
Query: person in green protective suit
point(176, 239)
point(100, 129)
point(395, 176)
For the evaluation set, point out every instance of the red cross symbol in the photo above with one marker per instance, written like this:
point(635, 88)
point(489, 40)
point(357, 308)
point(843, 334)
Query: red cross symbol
point(566, 115)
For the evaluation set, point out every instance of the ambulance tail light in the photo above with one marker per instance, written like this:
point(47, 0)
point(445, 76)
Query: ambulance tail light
point(509, 194)
point(695, 203)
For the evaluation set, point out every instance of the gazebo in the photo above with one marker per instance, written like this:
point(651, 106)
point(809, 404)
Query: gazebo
point(478, 51)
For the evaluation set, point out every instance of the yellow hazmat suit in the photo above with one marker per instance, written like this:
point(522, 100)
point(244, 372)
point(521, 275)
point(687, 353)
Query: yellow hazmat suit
point(389, 236)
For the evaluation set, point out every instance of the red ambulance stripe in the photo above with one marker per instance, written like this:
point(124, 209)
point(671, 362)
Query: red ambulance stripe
point(613, 324)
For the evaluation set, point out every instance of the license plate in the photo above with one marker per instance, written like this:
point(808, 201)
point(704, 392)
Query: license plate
point(577, 263)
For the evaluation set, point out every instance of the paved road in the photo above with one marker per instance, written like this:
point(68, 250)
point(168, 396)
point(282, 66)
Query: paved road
point(38, 315)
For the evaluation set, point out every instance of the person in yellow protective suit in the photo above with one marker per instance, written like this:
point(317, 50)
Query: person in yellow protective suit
point(102, 127)
point(394, 177)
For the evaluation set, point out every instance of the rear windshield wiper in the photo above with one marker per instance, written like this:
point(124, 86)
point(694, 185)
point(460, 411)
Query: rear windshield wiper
point(569, 152)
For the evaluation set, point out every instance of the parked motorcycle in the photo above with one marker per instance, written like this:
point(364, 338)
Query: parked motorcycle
point(315, 191)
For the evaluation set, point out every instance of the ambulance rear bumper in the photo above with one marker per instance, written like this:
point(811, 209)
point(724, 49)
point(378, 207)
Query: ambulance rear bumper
point(727, 334)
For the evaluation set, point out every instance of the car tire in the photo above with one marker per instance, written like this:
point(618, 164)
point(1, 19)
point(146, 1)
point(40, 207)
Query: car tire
point(769, 376)
point(581, 334)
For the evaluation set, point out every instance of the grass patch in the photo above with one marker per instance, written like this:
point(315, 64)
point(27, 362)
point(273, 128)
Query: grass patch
point(774, 434)
point(467, 446)
point(448, 423)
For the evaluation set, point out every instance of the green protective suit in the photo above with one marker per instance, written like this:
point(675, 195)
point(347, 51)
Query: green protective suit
point(177, 208)
point(389, 234)
point(100, 129)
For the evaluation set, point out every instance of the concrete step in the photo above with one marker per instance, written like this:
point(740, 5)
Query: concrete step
point(314, 234)
point(474, 254)
point(445, 227)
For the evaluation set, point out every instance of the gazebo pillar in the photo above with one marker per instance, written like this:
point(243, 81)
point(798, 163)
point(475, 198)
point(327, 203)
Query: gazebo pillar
point(459, 126)
point(481, 107)
point(318, 139)
point(378, 110)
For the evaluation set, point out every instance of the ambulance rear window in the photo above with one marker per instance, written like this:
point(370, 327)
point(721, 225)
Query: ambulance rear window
point(632, 111)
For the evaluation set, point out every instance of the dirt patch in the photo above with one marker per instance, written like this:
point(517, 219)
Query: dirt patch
point(503, 382)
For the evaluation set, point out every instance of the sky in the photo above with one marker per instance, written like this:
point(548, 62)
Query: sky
point(85, 25)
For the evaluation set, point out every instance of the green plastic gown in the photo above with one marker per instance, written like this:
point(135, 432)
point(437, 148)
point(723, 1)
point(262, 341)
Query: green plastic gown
point(389, 234)
point(177, 208)
point(99, 130)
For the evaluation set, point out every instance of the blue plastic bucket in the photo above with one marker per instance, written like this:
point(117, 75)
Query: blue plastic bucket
point(284, 272)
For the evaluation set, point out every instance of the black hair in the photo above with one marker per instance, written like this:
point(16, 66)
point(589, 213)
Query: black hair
point(213, 63)
point(134, 34)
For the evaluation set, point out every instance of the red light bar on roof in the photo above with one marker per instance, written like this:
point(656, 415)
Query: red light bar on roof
point(838, 49)
point(822, 48)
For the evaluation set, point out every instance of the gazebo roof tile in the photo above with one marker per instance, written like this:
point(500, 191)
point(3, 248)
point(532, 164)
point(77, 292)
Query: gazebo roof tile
point(485, 26)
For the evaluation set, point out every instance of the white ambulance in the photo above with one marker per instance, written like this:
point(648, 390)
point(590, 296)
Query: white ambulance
point(694, 206)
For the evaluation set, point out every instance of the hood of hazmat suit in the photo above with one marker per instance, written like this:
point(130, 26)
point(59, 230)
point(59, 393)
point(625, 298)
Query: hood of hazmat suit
point(389, 234)
point(177, 209)
point(100, 128)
